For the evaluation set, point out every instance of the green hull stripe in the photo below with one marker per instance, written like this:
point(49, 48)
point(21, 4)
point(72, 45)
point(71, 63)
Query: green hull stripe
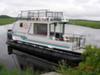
point(24, 39)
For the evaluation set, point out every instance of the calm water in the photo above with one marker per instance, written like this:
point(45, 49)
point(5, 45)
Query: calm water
point(8, 60)
point(92, 35)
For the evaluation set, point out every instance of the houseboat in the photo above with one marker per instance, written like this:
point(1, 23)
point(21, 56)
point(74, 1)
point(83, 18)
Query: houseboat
point(41, 33)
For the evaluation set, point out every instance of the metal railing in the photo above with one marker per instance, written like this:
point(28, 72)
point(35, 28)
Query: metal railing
point(40, 15)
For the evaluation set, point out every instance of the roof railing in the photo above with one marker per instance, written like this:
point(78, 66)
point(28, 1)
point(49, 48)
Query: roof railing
point(41, 15)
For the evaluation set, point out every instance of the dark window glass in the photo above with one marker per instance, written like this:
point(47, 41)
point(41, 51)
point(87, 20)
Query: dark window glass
point(21, 24)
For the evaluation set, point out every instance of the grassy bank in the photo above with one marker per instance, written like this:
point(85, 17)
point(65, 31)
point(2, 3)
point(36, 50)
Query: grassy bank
point(89, 66)
point(4, 71)
point(86, 23)
point(4, 21)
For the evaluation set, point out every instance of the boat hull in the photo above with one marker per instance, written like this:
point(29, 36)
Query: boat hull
point(53, 55)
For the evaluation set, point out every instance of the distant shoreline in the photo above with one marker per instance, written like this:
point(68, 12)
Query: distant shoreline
point(85, 23)
point(4, 20)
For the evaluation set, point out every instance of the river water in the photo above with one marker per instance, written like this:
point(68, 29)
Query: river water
point(9, 61)
point(92, 37)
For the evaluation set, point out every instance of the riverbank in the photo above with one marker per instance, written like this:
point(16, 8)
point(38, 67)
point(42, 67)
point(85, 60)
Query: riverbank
point(5, 71)
point(89, 66)
point(5, 21)
point(86, 23)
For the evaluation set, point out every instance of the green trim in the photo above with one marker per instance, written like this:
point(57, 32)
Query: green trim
point(24, 38)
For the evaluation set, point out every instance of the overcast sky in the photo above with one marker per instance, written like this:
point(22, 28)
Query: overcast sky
point(84, 9)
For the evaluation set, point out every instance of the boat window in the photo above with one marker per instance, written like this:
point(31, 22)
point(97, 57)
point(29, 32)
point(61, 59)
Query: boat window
point(21, 24)
point(40, 29)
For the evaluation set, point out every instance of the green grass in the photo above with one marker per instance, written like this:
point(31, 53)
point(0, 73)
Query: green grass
point(86, 23)
point(89, 66)
point(4, 21)
point(4, 71)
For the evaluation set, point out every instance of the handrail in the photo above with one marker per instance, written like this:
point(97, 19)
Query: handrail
point(40, 13)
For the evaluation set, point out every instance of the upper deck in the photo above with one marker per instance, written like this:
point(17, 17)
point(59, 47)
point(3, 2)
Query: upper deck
point(40, 15)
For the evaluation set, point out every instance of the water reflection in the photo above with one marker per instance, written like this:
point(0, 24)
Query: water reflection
point(9, 61)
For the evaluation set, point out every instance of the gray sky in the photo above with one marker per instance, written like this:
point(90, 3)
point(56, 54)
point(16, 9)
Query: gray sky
point(84, 9)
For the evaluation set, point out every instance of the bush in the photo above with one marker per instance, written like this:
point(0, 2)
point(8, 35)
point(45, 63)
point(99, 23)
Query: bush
point(89, 66)
point(91, 59)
